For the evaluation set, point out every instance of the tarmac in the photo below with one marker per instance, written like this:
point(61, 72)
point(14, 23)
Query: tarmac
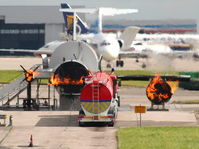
point(157, 63)
point(60, 130)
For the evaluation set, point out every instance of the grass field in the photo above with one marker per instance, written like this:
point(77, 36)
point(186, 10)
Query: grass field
point(140, 72)
point(196, 101)
point(159, 138)
point(7, 76)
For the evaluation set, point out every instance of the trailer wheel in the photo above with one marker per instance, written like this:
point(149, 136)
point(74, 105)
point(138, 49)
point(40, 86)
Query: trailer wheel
point(118, 101)
point(111, 124)
point(117, 63)
point(81, 124)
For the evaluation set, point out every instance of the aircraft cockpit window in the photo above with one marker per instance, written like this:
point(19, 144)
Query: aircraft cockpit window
point(104, 43)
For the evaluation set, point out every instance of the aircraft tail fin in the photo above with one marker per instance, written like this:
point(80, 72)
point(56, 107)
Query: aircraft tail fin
point(128, 36)
point(68, 18)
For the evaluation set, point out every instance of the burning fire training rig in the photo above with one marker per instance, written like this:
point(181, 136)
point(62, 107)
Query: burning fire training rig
point(160, 89)
point(69, 63)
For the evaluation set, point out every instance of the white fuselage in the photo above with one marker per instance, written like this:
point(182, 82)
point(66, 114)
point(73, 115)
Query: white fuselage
point(107, 45)
point(192, 39)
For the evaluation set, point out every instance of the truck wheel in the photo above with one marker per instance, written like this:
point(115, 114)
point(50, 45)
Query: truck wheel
point(121, 63)
point(118, 101)
point(110, 124)
point(81, 124)
point(117, 63)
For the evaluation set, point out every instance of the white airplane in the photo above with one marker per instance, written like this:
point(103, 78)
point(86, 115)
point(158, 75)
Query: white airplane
point(108, 45)
point(177, 42)
point(168, 45)
point(111, 47)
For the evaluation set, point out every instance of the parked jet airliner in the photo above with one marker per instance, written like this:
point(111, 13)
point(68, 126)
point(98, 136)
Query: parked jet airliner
point(106, 45)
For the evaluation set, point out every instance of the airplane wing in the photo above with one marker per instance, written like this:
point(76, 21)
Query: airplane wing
point(47, 49)
point(182, 54)
point(103, 11)
point(17, 50)
point(131, 53)
point(114, 11)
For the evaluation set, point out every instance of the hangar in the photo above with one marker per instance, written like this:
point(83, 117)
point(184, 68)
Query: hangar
point(29, 27)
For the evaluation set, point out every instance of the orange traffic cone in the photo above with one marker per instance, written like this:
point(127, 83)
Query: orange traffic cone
point(31, 141)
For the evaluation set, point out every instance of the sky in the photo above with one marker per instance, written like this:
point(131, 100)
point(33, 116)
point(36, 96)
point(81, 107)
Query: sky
point(148, 9)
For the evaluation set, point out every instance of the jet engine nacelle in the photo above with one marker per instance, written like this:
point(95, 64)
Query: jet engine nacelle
point(68, 77)
point(71, 61)
point(121, 43)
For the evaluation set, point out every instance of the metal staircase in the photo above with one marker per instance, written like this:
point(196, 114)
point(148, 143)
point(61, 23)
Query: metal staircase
point(12, 90)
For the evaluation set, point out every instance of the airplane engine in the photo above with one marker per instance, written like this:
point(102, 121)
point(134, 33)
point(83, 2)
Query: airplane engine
point(121, 43)
point(68, 77)
point(70, 62)
point(158, 91)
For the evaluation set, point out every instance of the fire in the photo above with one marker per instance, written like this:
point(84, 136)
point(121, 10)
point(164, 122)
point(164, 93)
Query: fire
point(30, 74)
point(173, 86)
point(159, 91)
point(55, 80)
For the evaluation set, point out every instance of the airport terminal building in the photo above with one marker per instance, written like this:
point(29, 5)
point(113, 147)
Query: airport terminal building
point(30, 27)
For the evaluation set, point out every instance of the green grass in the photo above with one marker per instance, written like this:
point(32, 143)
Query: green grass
point(139, 84)
point(142, 84)
point(196, 101)
point(143, 72)
point(159, 138)
point(9, 75)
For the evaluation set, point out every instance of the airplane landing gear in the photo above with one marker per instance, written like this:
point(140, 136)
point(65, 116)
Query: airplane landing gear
point(108, 65)
point(119, 63)
point(143, 65)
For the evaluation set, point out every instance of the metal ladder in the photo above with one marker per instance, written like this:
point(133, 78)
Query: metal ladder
point(95, 96)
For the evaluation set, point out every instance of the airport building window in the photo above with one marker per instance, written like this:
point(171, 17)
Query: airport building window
point(21, 36)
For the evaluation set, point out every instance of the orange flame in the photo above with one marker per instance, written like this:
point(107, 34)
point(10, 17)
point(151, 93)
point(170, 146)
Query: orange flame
point(159, 90)
point(173, 86)
point(55, 80)
point(30, 74)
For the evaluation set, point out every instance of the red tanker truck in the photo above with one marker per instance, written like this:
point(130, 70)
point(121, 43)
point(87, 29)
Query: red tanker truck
point(99, 99)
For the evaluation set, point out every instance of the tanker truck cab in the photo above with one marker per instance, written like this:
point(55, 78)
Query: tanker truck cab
point(99, 99)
